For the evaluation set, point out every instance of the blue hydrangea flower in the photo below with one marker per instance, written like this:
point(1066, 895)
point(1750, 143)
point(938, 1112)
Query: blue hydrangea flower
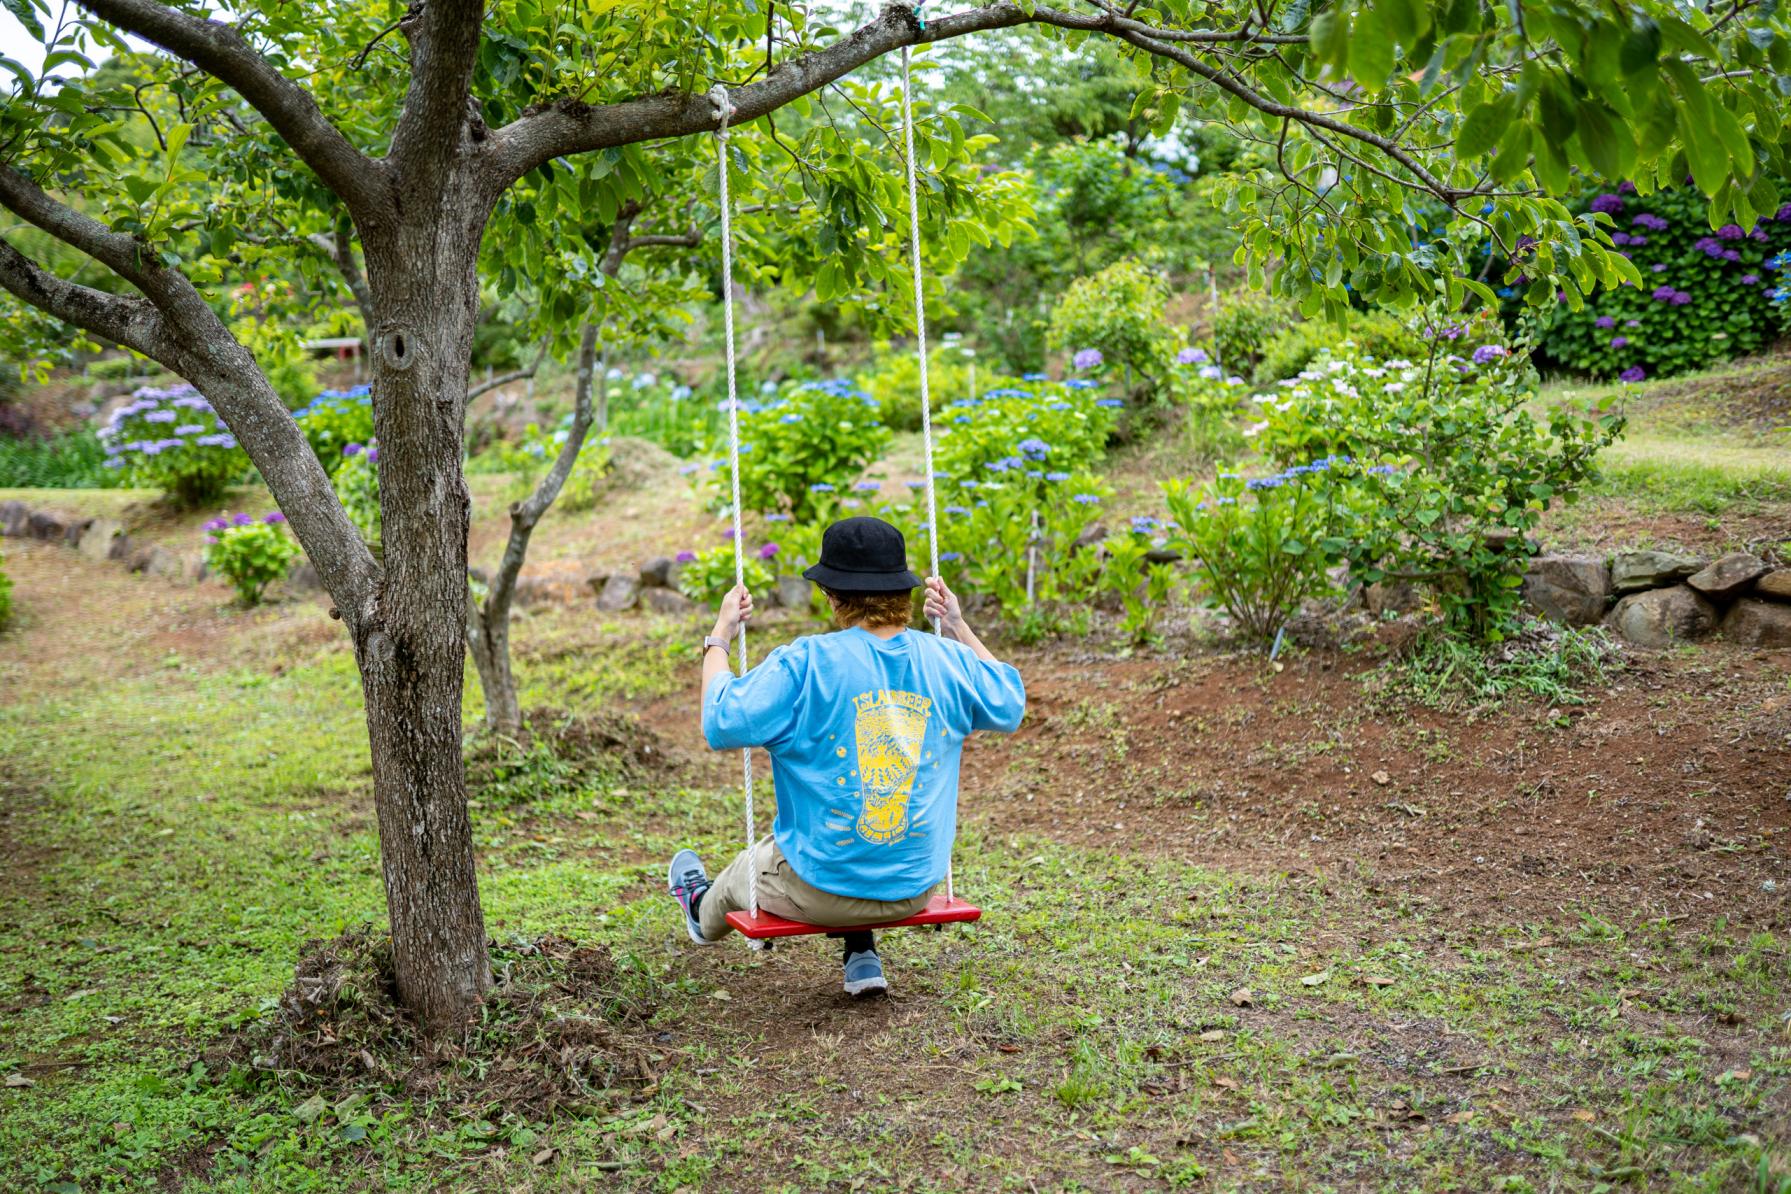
point(820, 487)
point(1088, 358)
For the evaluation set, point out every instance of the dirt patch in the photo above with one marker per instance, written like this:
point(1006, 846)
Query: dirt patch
point(556, 749)
point(561, 1032)
point(1667, 795)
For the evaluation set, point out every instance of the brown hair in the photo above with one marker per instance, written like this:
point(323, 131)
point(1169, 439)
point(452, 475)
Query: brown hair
point(872, 610)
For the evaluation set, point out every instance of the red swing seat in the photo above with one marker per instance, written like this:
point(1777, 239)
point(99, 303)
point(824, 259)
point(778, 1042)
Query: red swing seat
point(940, 910)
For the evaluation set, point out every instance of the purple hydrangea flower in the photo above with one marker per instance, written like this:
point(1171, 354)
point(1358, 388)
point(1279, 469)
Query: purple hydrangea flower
point(1608, 203)
point(1632, 374)
point(1619, 341)
point(685, 557)
point(768, 550)
point(274, 519)
point(1649, 221)
point(160, 416)
point(1604, 321)
point(1749, 279)
point(1731, 232)
point(1088, 358)
point(216, 524)
point(1191, 356)
point(1680, 298)
point(1659, 267)
point(1487, 353)
point(243, 520)
point(1663, 294)
point(352, 449)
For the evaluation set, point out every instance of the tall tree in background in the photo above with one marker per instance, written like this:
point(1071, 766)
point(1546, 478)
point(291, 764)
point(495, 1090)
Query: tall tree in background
point(417, 122)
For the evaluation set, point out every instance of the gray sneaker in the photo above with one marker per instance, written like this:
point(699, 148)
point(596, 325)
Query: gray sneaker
point(688, 880)
point(864, 974)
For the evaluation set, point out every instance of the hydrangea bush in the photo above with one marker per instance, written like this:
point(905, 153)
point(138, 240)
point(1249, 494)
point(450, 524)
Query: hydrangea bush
point(356, 482)
point(250, 553)
point(1436, 471)
point(170, 439)
point(333, 420)
point(1118, 314)
point(706, 576)
point(810, 441)
point(1260, 547)
point(1707, 294)
point(1012, 432)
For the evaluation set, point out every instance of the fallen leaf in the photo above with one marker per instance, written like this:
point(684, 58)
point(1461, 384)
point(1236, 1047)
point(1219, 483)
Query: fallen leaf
point(544, 1156)
point(1312, 980)
point(1378, 980)
point(1461, 1117)
point(1381, 778)
point(1735, 1076)
point(1227, 1083)
point(1213, 1034)
point(1524, 947)
point(310, 1110)
point(720, 994)
point(19, 1080)
point(1243, 997)
point(1231, 1158)
point(83, 993)
point(1584, 1116)
point(1007, 1047)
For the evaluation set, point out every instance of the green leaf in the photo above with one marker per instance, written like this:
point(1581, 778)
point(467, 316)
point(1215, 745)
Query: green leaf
point(1513, 155)
point(1734, 138)
point(1641, 47)
point(1329, 35)
point(26, 14)
point(1482, 129)
point(1609, 147)
point(1371, 50)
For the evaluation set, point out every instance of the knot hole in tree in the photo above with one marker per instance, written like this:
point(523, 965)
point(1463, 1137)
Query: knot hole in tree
point(397, 347)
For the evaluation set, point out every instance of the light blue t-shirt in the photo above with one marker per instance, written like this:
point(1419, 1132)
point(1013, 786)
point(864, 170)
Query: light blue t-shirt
point(865, 735)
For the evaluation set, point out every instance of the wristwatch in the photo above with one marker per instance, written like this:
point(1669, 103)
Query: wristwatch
point(709, 640)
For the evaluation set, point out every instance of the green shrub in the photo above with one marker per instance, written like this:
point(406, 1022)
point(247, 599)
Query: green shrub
point(5, 595)
point(280, 352)
point(250, 554)
point(1043, 427)
point(1437, 471)
point(1142, 586)
point(118, 368)
point(1258, 548)
point(1378, 334)
point(706, 576)
point(658, 407)
point(335, 419)
point(1118, 313)
point(797, 448)
point(171, 439)
point(71, 460)
point(894, 381)
point(356, 482)
point(1245, 322)
point(1210, 403)
point(1705, 296)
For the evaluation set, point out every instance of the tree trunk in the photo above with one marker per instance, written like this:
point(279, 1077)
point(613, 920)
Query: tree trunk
point(422, 274)
point(488, 640)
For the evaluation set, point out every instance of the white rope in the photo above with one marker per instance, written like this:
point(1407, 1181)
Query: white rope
point(724, 109)
point(920, 340)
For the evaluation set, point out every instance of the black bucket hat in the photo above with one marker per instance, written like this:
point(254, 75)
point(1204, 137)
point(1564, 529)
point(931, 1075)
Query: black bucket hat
point(863, 555)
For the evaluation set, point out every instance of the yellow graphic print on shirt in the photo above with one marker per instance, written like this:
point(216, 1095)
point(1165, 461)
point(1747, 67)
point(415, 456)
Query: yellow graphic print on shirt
point(891, 727)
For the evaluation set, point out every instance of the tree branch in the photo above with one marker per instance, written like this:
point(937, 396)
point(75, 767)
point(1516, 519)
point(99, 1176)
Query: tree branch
point(504, 379)
point(119, 319)
point(567, 127)
point(221, 52)
point(444, 43)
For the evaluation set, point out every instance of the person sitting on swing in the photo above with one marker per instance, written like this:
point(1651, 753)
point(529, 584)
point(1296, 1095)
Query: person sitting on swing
point(864, 726)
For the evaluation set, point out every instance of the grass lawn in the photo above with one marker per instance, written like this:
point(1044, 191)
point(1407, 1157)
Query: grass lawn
point(1150, 1003)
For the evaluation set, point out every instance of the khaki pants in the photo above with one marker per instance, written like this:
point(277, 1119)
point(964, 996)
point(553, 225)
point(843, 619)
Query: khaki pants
point(783, 893)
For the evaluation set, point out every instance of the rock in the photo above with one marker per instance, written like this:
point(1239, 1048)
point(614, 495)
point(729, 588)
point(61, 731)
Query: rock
point(100, 538)
point(544, 590)
point(164, 563)
point(655, 573)
point(620, 592)
point(303, 578)
point(1758, 624)
point(76, 529)
point(48, 526)
point(667, 601)
point(1574, 590)
point(1663, 617)
point(1633, 571)
point(1727, 577)
point(1774, 586)
point(1162, 555)
point(1395, 596)
point(15, 519)
point(1090, 537)
point(794, 592)
point(193, 568)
